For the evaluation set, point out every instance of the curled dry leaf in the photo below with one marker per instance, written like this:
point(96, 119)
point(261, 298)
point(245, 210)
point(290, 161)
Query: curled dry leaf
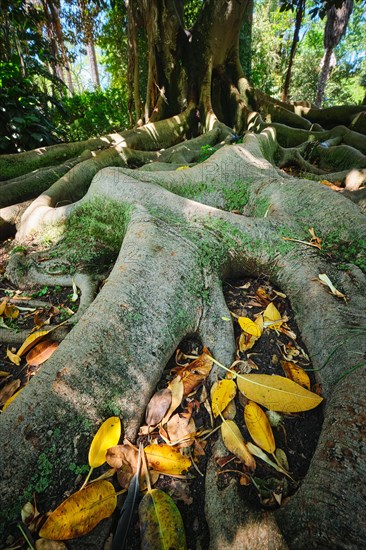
point(176, 388)
point(295, 373)
point(222, 393)
point(8, 390)
point(14, 358)
point(41, 352)
point(277, 393)
point(324, 279)
point(272, 317)
point(11, 399)
point(181, 428)
point(158, 406)
point(259, 427)
point(107, 436)
point(234, 442)
point(81, 512)
point(229, 412)
point(195, 372)
point(247, 340)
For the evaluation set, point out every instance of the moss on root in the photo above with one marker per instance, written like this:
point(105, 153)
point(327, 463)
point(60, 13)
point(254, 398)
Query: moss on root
point(92, 235)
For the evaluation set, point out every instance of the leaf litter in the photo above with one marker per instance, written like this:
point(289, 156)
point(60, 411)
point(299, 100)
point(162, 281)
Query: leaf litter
point(268, 452)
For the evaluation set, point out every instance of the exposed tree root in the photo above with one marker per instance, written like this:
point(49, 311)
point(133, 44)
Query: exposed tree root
point(195, 244)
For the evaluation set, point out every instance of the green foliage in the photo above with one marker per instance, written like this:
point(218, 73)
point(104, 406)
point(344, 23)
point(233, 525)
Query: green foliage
point(352, 252)
point(114, 43)
point(206, 152)
point(92, 114)
point(272, 37)
point(26, 105)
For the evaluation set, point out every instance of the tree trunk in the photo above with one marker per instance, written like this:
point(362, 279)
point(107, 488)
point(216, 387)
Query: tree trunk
point(94, 73)
point(245, 40)
point(298, 21)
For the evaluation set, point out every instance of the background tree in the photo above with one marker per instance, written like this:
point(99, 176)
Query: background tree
point(335, 28)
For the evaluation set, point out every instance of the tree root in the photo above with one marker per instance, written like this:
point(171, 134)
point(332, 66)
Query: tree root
point(101, 366)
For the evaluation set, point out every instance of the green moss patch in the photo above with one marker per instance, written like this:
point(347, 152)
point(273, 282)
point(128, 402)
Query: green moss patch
point(93, 234)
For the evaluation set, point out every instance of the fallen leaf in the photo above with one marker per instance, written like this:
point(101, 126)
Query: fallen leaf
point(14, 358)
point(161, 524)
point(176, 388)
point(196, 372)
point(41, 352)
point(234, 442)
point(8, 390)
point(31, 340)
point(107, 436)
point(324, 279)
point(158, 406)
point(295, 373)
point(81, 512)
point(272, 317)
point(257, 451)
point(229, 412)
point(3, 306)
point(181, 429)
point(11, 311)
point(315, 241)
point(222, 393)
point(277, 393)
point(4, 373)
point(259, 427)
point(3, 324)
point(75, 295)
point(166, 459)
point(11, 399)
point(128, 508)
point(282, 459)
point(249, 326)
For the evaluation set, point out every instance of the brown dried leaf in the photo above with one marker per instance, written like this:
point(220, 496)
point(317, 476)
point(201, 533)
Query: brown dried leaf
point(176, 388)
point(196, 372)
point(158, 406)
point(180, 428)
point(41, 352)
point(8, 390)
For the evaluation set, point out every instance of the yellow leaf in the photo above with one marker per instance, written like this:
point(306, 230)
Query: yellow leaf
point(166, 459)
point(246, 341)
point(249, 326)
point(277, 393)
point(182, 168)
point(234, 442)
point(34, 337)
point(259, 427)
point(14, 358)
point(257, 451)
point(161, 524)
point(81, 512)
point(2, 307)
point(107, 436)
point(11, 312)
point(271, 315)
point(222, 393)
point(11, 399)
point(295, 373)
point(31, 340)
